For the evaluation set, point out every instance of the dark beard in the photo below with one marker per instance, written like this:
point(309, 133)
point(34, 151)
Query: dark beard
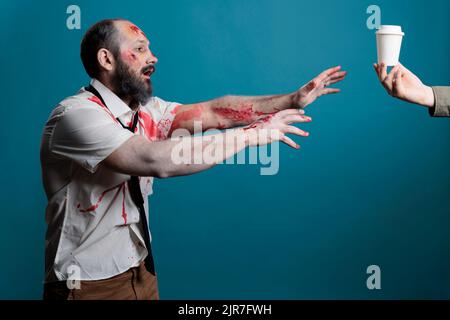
point(128, 86)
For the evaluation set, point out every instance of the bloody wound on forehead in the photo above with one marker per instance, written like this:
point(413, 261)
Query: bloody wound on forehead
point(136, 30)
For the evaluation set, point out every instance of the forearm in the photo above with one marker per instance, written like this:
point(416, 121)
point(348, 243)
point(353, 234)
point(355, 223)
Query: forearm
point(177, 156)
point(241, 110)
point(229, 111)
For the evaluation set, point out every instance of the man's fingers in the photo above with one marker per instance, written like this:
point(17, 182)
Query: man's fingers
point(337, 75)
point(290, 112)
point(328, 76)
point(330, 90)
point(334, 81)
point(331, 71)
point(328, 73)
point(289, 141)
point(296, 131)
point(296, 119)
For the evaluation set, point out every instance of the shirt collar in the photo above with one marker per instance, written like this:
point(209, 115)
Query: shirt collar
point(112, 101)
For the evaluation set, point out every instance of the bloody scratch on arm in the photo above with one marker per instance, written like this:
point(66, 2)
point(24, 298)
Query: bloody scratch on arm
point(229, 111)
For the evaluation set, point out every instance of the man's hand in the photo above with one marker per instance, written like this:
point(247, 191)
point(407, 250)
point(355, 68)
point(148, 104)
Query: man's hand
point(140, 157)
point(234, 111)
point(405, 85)
point(318, 86)
point(274, 127)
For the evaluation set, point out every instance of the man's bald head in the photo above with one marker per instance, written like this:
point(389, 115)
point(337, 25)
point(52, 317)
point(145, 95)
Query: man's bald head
point(103, 34)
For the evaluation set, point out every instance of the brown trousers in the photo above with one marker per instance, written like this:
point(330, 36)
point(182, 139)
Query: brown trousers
point(134, 284)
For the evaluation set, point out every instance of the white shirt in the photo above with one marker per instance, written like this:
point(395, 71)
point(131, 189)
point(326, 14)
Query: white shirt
point(93, 225)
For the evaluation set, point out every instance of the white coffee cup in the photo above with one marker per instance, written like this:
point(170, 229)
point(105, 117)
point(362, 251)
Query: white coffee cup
point(389, 42)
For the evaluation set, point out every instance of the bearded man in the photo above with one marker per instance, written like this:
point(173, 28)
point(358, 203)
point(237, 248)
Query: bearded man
point(102, 147)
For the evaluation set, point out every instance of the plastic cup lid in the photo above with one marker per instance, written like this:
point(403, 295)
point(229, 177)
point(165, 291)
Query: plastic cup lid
point(389, 29)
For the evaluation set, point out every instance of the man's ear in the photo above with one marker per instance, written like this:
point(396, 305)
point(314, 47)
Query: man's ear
point(106, 59)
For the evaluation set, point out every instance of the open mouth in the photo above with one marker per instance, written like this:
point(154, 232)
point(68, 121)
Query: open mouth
point(148, 72)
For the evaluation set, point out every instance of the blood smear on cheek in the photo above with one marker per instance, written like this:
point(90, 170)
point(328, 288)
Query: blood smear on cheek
point(129, 56)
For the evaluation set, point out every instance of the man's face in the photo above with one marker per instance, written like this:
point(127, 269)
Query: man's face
point(134, 65)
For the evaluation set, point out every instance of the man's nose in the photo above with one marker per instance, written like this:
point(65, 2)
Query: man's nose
point(152, 59)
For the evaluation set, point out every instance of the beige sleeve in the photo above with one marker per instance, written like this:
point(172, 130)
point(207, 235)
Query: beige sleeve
point(442, 102)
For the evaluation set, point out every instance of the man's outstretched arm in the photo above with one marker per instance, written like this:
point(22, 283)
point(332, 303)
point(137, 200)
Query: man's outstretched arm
point(140, 157)
point(232, 111)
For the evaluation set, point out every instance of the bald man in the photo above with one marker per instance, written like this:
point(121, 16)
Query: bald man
point(102, 147)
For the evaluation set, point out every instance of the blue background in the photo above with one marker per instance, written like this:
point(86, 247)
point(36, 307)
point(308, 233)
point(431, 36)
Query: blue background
point(369, 186)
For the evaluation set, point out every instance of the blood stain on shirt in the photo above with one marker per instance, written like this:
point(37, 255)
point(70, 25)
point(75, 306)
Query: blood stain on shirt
point(99, 200)
point(193, 113)
point(130, 123)
point(176, 109)
point(150, 127)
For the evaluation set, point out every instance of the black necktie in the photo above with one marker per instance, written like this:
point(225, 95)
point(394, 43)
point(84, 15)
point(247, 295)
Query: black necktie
point(136, 195)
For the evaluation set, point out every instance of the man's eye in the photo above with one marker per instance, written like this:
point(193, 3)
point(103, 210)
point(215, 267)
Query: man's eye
point(141, 49)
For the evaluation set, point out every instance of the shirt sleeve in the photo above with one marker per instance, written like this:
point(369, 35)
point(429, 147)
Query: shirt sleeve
point(87, 135)
point(442, 102)
point(168, 111)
